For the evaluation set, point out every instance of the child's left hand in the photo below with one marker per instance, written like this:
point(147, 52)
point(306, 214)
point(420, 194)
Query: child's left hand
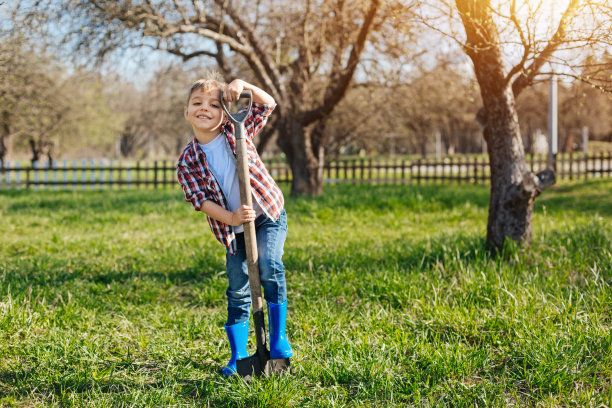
point(233, 90)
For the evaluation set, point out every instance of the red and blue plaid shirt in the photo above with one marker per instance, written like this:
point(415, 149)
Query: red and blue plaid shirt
point(199, 184)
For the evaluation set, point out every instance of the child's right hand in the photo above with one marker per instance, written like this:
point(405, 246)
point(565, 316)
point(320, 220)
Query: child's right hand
point(243, 215)
point(232, 91)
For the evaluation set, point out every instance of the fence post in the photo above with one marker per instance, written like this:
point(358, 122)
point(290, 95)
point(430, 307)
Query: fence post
point(111, 180)
point(18, 175)
point(54, 169)
point(64, 174)
point(563, 161)
point(44, 182)
point(101, 175)
point(137, 172)
point(128, 180)
point(361, 170)
point(73, 179)
point(119, 178)
point(155, 174)
point(83, 176)
point(92, 174)
point(36, 175)
point(459, 169)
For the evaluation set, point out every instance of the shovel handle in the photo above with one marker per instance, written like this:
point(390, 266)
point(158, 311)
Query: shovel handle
point(250, 237)
point(239, 118)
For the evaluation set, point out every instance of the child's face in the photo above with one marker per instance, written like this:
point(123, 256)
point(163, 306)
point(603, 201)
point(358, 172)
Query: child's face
point(204, 112)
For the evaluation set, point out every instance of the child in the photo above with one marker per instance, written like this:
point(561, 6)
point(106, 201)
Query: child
point(207, 172)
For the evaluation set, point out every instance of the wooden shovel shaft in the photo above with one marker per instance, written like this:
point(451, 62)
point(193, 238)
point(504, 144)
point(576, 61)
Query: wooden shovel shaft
point(250, 241)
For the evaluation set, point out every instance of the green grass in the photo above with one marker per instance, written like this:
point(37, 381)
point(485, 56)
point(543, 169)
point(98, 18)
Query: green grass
point(117, 299)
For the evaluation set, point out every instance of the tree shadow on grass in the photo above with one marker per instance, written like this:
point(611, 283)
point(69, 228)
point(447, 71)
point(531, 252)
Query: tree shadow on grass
point(449, 253)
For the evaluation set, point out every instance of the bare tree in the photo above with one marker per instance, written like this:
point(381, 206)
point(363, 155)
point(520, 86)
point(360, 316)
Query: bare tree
point(45, 107)
point(154, 123)
point(494, 32)
point(304, 53)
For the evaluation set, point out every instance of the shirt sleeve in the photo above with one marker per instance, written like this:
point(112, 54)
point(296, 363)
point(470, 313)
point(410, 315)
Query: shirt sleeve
point(257, 119)
point(192, 185)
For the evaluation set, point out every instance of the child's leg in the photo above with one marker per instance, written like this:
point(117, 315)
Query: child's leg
point(238, 290)
point(270, 243)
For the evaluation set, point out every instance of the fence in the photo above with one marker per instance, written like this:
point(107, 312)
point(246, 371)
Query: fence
point(107, 174)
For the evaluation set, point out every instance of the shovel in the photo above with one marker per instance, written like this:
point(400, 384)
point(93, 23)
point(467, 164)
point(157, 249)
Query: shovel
point(260, 362)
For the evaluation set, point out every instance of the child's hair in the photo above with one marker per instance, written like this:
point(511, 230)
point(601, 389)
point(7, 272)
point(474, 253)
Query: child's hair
point(210, 81)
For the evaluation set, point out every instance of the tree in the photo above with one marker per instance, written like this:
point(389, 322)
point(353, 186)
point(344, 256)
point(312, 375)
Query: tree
point(45, 107)
point(493, 32)
point(154, 115)
point(304, 53)
point(440, 99)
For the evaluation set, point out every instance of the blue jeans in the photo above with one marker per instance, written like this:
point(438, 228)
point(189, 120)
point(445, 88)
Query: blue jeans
point(271, 237)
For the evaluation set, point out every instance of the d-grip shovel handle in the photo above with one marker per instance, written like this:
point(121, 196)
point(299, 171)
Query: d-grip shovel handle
point(238, 118)
point(250, 237)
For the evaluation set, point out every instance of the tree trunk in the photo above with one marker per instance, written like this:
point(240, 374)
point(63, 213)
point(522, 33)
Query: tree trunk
point(4, 148)
point(296, 142)
point(36, 152)
point(513, 186)
point(4, 139)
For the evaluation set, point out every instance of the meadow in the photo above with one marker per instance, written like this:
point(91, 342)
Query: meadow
point(117, 299)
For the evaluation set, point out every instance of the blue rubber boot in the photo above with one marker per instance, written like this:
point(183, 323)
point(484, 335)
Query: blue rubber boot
point(238, 336)
point(279, 345)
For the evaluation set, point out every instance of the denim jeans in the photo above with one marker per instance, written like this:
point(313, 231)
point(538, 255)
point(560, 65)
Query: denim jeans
point(271, 237)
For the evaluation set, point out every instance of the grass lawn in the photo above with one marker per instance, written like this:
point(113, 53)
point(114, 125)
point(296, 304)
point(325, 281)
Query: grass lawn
point(118, 299)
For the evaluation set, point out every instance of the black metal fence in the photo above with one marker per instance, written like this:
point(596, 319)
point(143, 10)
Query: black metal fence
point(108, 174)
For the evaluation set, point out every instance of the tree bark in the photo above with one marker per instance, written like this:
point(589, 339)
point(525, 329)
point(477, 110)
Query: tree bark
point(513, 186)
point(4, 139)
point(36, 151)
point(296, 142)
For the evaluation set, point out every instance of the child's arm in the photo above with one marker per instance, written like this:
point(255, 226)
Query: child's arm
point(243, 213)
point(193, 188)
point(233, 90)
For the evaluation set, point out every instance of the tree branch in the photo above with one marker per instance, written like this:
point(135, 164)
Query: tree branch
point(333, 94)
point(527, 48)
point(557, 39)
point(259, 59)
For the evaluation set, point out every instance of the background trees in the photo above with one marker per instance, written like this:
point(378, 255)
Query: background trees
point(304, 53)
point(47, 110)
point(349, 75)
point(510, 44)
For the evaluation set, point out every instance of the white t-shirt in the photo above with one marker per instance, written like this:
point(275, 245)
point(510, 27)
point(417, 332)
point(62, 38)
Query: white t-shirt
point(222, 163)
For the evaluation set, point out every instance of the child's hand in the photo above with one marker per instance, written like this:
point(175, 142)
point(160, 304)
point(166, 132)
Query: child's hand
point(243, 215)
point(233, 90)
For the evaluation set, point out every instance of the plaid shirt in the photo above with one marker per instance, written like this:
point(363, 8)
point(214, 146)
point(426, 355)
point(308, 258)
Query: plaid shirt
point(199, 183)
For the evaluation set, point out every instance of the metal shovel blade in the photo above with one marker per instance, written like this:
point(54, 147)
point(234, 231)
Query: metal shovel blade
point(255, 366)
